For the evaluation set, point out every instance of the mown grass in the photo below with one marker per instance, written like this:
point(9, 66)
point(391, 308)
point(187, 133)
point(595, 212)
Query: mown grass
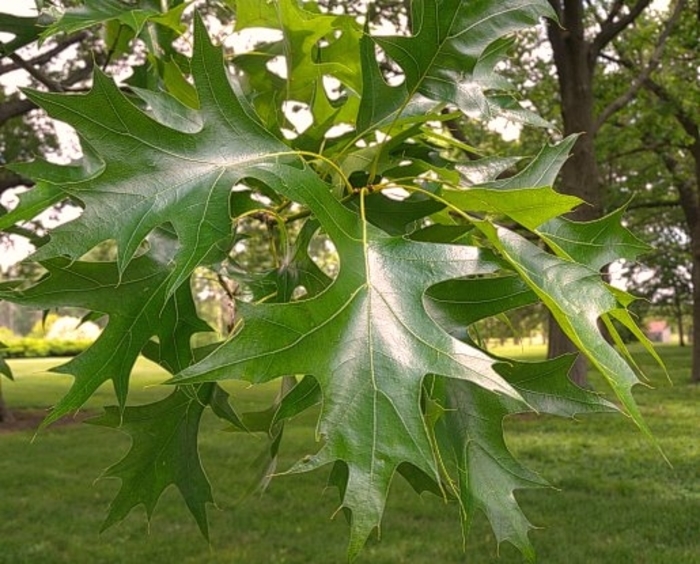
point(617, 500)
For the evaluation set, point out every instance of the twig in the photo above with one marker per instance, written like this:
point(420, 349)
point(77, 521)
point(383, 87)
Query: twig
point(36, 73)
point(622, 100)
point(45, 57)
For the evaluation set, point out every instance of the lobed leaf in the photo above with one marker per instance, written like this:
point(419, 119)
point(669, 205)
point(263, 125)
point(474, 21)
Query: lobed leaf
point(577, 297)
point(595, 243)
point(138, 307)
point(164, 451)
point(153, 174)
point(368, 343)
point(446, 57)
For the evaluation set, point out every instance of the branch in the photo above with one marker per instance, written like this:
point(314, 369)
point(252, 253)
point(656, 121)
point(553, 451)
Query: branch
point(644, 149)
point(615, 60)
point(45, 57)
point(689, 125)
point(10, 180)
point(593, 6)
point(613, 13)
point(15, 108)
point(654, 60)
point(36, 73)
point(654, 205)
point(612, 27)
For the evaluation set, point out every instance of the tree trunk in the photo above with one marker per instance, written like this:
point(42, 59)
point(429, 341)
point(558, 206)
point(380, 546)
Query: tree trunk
point(689, 197)
point(690, 203)
point(5, 414)
point(695, 339)
point(695, 364)
point(575, 63)
point(679, 321)
point(693, 219)
point(681, 332)
point(559, 344)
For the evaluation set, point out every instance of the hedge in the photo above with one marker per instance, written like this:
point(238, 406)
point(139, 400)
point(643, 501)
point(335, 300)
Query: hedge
point(32, 347)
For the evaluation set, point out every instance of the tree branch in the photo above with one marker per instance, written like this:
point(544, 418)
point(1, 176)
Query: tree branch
point(15, 108)
point(654, 60)
point(613, 13)
point(45, 57)
point(635, 151)
point(613, 25)
point(689, 125)
point(654, 205)
point(10, 180)
point(36, 73)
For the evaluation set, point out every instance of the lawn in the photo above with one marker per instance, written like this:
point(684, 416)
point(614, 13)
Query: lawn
point(616, 500)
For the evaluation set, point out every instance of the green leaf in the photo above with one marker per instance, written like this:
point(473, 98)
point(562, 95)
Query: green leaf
point(444, 58)
point(530, 207)
point(595, 243)
point(598, 243)
point(470, 436)
point(138, 307)
point(164, 451)
point(154, 174)
point(292, 399)
point(297, 270)
point(314, 46)
point(31, 203)
point(24, 30)
point(577, 298)
point(395, 217)
point(526, 197)
point(169, 111)
point(304, 395)
point(50, 181)
point(485, 169)
point(456, 304)
point(97, 12)
point(177, 84)
point(367, 341)
point(541, 171)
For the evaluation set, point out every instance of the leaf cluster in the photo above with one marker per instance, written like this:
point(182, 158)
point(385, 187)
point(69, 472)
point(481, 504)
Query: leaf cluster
point(183, 171)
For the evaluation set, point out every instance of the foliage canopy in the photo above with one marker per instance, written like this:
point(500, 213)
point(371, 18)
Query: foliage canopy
point(429, 242)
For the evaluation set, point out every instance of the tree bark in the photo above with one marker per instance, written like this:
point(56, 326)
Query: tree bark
point(693, 218)
point(5, 413)
point(575, 54)
point(575, 62)
point(695, 363)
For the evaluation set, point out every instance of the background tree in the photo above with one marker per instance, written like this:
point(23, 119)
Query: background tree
point(579, 44)
point(653, 149)
point(675, 88)
point(664, 278)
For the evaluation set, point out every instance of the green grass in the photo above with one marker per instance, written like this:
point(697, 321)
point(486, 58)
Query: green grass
point(618, 501)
